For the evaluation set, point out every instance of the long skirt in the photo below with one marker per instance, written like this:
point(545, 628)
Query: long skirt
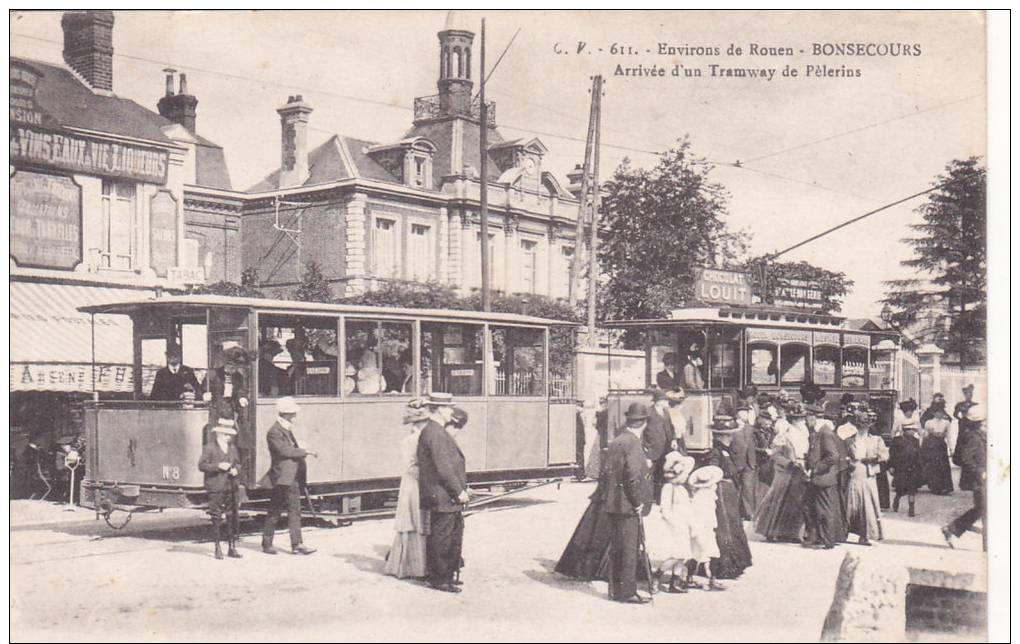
point(779, 515)
point(734, 553)
point(842, 524)
point(407, 554)
point(587, 553)
point(863, 514)
point(935, 461)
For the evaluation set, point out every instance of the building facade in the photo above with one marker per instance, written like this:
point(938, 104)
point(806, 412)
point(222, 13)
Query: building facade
point(108, 200)
point(408, 210)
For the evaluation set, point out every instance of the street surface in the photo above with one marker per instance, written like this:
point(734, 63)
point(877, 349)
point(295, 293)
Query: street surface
point(73, 578)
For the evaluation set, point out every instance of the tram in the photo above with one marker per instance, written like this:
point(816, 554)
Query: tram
point(715, 351)
point(353, 369)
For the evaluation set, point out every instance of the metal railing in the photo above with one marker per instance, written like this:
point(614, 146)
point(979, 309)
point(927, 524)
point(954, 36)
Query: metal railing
point(429, 107)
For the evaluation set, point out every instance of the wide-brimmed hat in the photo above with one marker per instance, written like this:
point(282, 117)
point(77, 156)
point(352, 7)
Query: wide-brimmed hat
point(636, 412)
point(677, 467)
point(287, 405)
point(235, 357)
point(742, 406)
point(414, 415)
point(724, 424)
point(706, 476)
point(796, 411)
point(225, 426)
point(438, 398)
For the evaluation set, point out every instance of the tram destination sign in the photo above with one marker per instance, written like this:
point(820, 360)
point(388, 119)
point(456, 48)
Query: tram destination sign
point(713, 286)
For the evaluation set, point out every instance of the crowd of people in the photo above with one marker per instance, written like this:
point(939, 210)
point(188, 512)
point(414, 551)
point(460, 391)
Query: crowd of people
point(800, 471)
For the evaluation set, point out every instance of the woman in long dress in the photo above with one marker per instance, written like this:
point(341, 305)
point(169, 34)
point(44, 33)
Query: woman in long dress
point(867, 451)
point(734, 553)
point(780, 516)
point(407, 554)
point(586, 556)
point(935, 451)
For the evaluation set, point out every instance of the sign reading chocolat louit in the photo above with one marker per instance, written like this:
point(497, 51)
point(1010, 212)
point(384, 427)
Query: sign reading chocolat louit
point(45, 220)
point(722, 287)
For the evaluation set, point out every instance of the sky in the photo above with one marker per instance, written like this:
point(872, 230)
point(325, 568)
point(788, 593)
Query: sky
point(814, 150)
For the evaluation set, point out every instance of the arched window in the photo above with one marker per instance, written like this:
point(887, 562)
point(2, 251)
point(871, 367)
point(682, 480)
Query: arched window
point(444, 62)
point(459, 63)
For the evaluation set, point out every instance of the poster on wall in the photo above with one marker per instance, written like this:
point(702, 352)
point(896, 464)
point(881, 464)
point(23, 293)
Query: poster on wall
point(162, 232)
point(45, 221)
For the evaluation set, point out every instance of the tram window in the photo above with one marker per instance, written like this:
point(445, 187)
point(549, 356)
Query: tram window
point(823, 371)
point(518, 362)
point(662, 357)
point(762, 364)
point(379, 358)
point(723, 358)
point(298, 356)
point(854, 362)
point(451, 358)
point(794, 367)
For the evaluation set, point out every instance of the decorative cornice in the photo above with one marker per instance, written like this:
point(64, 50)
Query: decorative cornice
point(209, 205)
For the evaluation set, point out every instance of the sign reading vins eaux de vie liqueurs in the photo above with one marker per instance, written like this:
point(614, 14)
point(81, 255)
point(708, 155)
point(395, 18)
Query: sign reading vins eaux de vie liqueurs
point(88, 156)
point(45, 220)
point(162, 232)
point(722, 287)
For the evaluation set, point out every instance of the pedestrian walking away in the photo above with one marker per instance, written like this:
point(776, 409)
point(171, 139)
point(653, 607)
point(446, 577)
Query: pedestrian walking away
point(974, 456)
point(628, 494)
point(442, 485)
point(734, 553)
point(406, 557)
point(285, 477)
point(219, 463)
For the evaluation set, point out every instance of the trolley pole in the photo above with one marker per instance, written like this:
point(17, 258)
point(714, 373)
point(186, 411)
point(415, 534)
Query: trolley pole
point(582, 207)
point(483, 198)
point(596, 205)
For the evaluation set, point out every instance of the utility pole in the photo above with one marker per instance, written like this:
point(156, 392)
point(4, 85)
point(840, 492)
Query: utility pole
point(483, 151)
point(582, 207)
point(596, 205)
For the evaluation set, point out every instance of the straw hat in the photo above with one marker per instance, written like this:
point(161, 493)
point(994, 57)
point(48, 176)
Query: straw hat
point(706, 476)
point(225, 426)
point(287, 405)
point(677, 467)
point(438, 398)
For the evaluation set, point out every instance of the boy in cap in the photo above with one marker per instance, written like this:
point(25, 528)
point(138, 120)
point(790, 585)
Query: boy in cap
point(220, 462)
point(627, 491)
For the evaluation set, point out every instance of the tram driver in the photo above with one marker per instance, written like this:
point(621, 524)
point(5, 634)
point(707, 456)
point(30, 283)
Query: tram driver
point(172, 380)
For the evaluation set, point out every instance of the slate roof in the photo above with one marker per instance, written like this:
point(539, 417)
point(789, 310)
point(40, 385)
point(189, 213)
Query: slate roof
point(72, 103)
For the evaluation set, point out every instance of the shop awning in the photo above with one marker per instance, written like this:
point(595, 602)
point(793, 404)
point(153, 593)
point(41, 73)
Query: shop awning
point(51, 341)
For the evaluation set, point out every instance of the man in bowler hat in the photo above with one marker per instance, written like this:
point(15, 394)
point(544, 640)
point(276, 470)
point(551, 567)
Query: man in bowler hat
point(821, 498)
point(442, 484)
point(286, 475)
point(627, 490)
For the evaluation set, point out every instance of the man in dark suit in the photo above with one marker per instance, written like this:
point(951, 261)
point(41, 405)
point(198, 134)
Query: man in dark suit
point(220, 463)
point(974, 456)
point(442, 484)
point(171, 380)
point(658, 439)
point(626, 489)
point(745, 460)
point(286, 475)
point(821, 498)
point(667, 379)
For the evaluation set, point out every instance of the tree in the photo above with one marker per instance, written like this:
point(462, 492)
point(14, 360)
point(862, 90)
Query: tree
point(950, 253)
point(658, 227)
point(777, 281)
point(313, 287)
point(249, 286)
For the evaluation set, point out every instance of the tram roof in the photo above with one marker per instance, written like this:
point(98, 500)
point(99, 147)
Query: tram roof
point(748, 316)
point(296, 307)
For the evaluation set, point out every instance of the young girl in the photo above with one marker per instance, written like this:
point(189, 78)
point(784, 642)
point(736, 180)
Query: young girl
point(675, 527)
point(704, 547)
point(906, 466)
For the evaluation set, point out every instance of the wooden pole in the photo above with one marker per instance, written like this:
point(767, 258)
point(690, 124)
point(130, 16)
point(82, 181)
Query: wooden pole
point(596, 204)
point(582, 207)
point(483, 152)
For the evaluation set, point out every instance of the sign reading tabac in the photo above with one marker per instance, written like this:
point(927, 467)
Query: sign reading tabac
point(45, 220)
point(722, 287)
point(88, 156)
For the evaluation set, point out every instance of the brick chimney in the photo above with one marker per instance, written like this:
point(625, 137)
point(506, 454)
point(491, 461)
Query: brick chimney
point(179, 107)
point(88, 46)
point(294, 142)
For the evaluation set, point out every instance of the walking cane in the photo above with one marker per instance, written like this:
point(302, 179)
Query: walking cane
point(644, 555)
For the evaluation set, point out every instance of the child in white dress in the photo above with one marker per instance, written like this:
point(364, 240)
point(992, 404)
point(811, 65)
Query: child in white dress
point(704, 547)
point(673, 520)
